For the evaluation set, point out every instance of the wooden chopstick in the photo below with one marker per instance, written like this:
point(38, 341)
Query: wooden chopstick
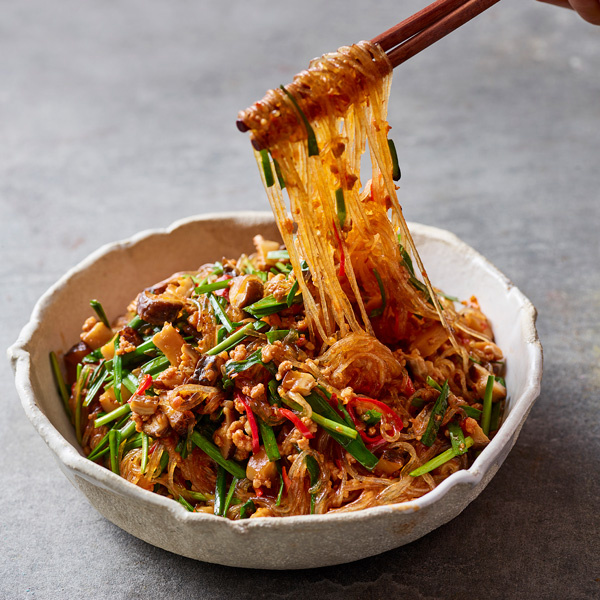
point(426, 27)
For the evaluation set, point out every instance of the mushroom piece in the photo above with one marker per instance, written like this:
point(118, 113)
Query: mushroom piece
point(245, 290)
point(157, 309)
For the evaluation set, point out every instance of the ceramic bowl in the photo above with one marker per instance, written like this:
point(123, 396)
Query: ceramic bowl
point(115, 273)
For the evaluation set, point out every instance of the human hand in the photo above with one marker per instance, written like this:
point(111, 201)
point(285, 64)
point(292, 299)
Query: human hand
point(587, 9)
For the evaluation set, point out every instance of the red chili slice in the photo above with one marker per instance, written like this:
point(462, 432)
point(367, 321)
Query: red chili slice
point(225, 291)
point(253, 426)
point(300, 426)
point(342, 271)
point(144, 385)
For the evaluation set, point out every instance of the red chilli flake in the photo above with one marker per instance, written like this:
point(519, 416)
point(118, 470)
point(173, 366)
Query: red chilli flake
point(342, 271)
point(300, 426)
point(146, 383)
point(253, 426)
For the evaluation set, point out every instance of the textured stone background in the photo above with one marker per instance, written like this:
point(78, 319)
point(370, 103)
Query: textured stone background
point(119, 116)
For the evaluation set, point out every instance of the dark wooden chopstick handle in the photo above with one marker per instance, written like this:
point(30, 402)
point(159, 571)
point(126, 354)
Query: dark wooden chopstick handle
point(435, 31)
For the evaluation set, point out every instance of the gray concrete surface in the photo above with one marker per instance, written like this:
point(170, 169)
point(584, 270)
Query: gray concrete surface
point(119, 116)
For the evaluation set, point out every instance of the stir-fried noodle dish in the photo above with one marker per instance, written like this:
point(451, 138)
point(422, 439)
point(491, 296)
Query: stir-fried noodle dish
point(325, 374)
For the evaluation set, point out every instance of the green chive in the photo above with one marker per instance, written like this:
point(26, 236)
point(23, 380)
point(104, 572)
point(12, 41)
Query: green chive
point(278, 255)
point(118, 372)
point(457, 438)
point(379, 311)
point(474, 413)
point(236, 337)
point(229, 495)
point(94, 389)
point(155, 366)
point(113, 415)
point(220, 491)
point(185, 503)
point(209, 448)
point(145, 444)
point(211, 287)
point(114, 441)
point(220, 313)
point(197, 496)
point(395, 166)
point(60, 383)
point(487, 405)
point(340, 206)
point(281, 485)
point(276, 334)
point(436, 417)
point(434, 384)
point(495, 418)
point(313, 148)
point(269, 306)
point(292, 294)
point(439, 460)
point(246, 508)
point(266, 165)
point(99, 310)
point(418, 402)
point(269, 441)
point(135, 323)
point(279, 174)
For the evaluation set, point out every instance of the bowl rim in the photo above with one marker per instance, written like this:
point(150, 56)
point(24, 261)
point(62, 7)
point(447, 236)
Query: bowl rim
point(98, 475)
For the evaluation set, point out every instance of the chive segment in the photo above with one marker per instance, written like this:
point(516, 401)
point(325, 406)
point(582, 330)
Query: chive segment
point(340, 206)
point(313, 148)
point(113, 415)
point(211, 287)
point(439, 460)
point(145, 445)
point(209, 448)
point(220, 313)
point(114, 441)
point(379, 311)
point(268, 172)
point(312, 466)
point(236, 337)
point(457, 438)
point(269, 441)
point(185, 503)
point(436, 417)
point(292, 294)
point(99, 310)
point(220, 491)
point(486, 414)
point(396, 174)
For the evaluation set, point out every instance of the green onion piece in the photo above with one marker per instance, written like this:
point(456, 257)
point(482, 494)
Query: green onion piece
point(185, 503)
point(457, 438)
point(451, 298)
point(276, 334)
point(113, 415)
point(145, 445)
point(356, 446)
point(269, 441)
point(60, 383)
point(114, 440)
point(269, 306)
point(379, 311)
point(229, 495)
point(221, 334)
point(436, 417)
point(278, 255)
point(220, 491)
point(395, 166)
point(495, 418)
point(268, 172)
point(340, 206)
point(155, 366)
point(211, 287)
point(236, 337)
point(312, 466)
point(118, 372)
point(279, 174)
point(313, 148)
point(285, 269)
point(273, 395)
point(281, 485)
point(475, 360)
point(371, 417)
point(474, 413)
point(332, 426)
point(197, 496)
point(500, 380)
point(418, 402)
point(487, 405)
point(126, 427)
point(140, 352)
point(237, 366)
point(209, 448)
point(220, 313)
point(439, 460)
point(292, 294)
point(164, 461)
point(246, 508)
point(135, 323)
point(93, 390)
point(434, 384)
point(406, 259)
point(99, 310)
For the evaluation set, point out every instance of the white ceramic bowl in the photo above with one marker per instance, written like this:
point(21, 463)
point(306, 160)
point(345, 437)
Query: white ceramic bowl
point(115, 273)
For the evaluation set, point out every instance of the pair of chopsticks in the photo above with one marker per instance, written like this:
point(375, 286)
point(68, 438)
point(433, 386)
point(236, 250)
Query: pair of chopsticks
point(426, 27)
